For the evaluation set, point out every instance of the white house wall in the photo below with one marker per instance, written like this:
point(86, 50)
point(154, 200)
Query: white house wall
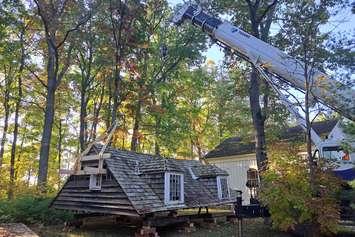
point(237, 167)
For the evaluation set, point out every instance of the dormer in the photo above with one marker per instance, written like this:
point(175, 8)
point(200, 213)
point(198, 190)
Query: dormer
point(213, 176)
point(161, 169)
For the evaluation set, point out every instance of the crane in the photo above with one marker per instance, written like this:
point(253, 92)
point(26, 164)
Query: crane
point(273, 65)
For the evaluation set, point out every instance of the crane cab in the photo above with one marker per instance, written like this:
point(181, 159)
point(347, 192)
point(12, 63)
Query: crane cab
point(331, 149)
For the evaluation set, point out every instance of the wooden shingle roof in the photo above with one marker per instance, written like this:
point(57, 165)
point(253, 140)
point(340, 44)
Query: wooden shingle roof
point(134, 172)
point(157, 165)
point(208, 171)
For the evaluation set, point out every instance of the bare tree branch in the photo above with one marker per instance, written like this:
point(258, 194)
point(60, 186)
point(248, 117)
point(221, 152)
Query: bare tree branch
point(80, 23)
point(36, 76)
point(267, 9)
point(66, 65)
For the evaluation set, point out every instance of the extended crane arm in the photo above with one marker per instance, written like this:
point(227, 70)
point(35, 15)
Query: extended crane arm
point(290, 107)
point(334, 94)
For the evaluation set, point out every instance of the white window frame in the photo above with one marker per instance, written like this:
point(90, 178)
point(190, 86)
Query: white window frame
point(94, 183)
point(167, 200)
point(219, 187)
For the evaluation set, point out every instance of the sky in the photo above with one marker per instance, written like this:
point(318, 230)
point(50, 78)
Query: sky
point(344, 21)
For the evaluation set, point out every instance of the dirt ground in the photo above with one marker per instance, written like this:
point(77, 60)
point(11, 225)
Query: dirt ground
point(15, 230)
point(251, 228)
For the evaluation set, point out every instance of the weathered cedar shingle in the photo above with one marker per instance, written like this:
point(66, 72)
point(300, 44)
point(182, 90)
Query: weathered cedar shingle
point(145, 189)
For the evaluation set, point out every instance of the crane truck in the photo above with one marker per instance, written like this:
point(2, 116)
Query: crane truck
point(274, 66)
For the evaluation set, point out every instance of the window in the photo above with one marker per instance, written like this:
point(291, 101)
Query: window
point(107, 176)
point(95, 182)
point(222, 186)
point(174, 188)
point(335, 153)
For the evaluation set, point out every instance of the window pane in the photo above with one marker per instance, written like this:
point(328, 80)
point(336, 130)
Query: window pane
point(224, 188)
point(175, 187)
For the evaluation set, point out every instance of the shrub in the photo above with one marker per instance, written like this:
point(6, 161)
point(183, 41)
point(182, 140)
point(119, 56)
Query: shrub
point(30, 210)
point(287, 193)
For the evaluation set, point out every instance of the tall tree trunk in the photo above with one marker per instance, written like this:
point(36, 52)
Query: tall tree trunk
point(137, 120)
point(314, 229)
point(116, 95)
point(108, 112)
point(124, 124)
point(19, 155)
point(220, 125)
point(308, 125)
point(258, 120)
point(119, 47)
point(51, 14)
point(83, 115)
point(6, 126)
point(85, 63)
point(52, 71)
point(97, 109)
point(13, 150)
point(156, 141)
point(260, 25)
point(17, 108)
point(6, 118)
point(52, 77)
point(141, 94)
point(46, 139)
point(60, 140)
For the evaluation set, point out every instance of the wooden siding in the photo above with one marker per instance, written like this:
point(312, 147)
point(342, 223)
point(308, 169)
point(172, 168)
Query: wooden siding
point(77, 196)
point(237, 168)
point(156, 182)
point(211, 185)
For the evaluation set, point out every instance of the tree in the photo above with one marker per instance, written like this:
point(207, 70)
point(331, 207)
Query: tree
point(255, 17)
point(89, 41)
point(302, 36)
point(54, 17)
point(13, 62)
point(6, 99)
point(22, 31)
point(122, 16)
point(6, 70)
point(287, 192)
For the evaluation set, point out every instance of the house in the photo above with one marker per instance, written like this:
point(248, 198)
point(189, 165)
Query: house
point(238, 158)
point(136, 185)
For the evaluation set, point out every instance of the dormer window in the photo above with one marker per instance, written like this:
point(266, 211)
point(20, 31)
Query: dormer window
point(95, 182)
point(174, 188)
point(222, 186)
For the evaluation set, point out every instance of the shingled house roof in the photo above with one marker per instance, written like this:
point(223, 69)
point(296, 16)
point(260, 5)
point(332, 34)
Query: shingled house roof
point(321, 128)
point(141, 178)
point(208, 171)
point(236, 146)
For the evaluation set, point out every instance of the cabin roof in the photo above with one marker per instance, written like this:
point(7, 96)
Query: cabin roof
point(134, 173)
point(208, 171)
point(237, 146)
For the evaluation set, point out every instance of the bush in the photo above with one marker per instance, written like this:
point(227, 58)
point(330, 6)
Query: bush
point(30, 210)
point(287, 193)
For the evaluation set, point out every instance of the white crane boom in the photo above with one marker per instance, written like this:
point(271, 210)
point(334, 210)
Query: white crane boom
point(332, 93)
point(272, 63)
point(290, 107)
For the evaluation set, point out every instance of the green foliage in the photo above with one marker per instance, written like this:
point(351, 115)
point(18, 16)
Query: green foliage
point(31, 209)
point(287, 193)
